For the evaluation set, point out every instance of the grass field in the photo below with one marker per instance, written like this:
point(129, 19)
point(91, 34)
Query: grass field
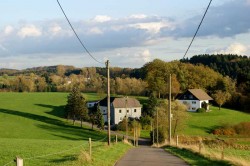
point(202, 124)
point(32, 127)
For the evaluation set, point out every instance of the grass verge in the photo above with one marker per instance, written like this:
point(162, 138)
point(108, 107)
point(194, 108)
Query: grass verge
point(194, 158)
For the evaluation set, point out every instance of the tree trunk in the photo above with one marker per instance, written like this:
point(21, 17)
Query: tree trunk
point(74, 119)
point(219, 107)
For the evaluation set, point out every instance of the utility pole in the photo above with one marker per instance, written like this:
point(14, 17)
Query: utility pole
point(169, 111)
point(126, 103)
point(108, 100)
point(157, 129)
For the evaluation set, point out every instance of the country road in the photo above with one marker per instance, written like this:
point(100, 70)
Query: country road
point(147, 156)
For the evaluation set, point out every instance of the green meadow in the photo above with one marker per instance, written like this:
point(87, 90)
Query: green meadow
point(201, 124)
point(32, 126)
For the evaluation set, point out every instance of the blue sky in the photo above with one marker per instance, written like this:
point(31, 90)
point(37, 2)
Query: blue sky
point(128, 33)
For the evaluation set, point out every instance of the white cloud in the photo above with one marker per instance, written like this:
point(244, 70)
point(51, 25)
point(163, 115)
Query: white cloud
point(55, 29)
point(95, 30)
point(138, 16)
point(29, 31)
point(235, 48)
point(101, 18)
point(146, 55)
point(152, 27)
point(8, 30)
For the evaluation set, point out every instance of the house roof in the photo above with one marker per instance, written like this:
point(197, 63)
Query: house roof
point(119, 102)
point(198, 93)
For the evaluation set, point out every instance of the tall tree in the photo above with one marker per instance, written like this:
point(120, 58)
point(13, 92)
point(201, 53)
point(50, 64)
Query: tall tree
point(99, 118)
point(76, 105)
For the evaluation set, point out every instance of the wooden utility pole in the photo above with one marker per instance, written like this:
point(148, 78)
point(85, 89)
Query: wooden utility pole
point(126, 102)
point(169, 111)
point(108, 100)
point(157, 128)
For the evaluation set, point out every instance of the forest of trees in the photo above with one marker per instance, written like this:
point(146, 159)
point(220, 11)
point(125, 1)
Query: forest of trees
point(218, 75)
point(237, 68)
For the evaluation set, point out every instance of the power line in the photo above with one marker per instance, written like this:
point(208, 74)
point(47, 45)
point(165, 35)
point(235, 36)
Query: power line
point(77, 35)
point(197, 29)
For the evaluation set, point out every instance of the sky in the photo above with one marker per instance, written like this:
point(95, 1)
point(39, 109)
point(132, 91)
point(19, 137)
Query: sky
point(127, 33)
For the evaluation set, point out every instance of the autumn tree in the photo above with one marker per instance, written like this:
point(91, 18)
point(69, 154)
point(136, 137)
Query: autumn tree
point(221, 97)
point(60, 69)
point(179, 119)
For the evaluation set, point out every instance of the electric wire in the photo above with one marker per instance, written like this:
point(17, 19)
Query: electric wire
point(197, 29)
point(85, 48)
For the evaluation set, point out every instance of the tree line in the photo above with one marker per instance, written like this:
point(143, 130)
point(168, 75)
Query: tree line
point(153, 77)
point(237, 67)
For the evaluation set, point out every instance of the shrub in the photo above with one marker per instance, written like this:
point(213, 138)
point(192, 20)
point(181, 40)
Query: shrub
point(162, 135)
point(200, 110)
point(243, 128)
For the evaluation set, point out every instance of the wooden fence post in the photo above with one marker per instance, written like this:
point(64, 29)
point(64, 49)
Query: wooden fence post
point(200, 147)
point(177, 141)
point(19, 161)
point(222, 153)
point(116, 139)
point(90, 148)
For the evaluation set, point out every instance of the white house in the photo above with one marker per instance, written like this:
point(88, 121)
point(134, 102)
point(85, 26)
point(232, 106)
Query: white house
point(119, 108)
point(193, 99)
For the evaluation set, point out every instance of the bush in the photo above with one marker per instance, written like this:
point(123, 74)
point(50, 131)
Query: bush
point(162, 135)
point(145, 121)
point(200, 110)
point(243, 128)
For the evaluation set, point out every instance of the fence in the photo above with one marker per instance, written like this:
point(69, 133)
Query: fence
point(88, 146)
point(214, 148)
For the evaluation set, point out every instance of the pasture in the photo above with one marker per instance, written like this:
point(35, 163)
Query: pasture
point(32, 127)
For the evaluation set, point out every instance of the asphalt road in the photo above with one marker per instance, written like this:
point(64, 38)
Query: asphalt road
point(147, 156)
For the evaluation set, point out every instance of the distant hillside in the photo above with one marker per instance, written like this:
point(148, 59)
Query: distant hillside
point(235, 66)
point(7, 71)
point(114, 71)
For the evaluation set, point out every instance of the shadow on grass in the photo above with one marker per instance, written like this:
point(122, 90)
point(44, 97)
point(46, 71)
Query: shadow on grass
point(58, 127)
point(194, 158)
point(64, 159)
point(208, 130)
point(57, 111)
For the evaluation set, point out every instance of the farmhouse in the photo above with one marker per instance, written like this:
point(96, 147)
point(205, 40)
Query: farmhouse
point(194, 99)
point(119, 108)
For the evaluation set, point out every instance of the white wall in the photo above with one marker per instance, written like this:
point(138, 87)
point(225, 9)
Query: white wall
point(120, 113)
point(193, 105)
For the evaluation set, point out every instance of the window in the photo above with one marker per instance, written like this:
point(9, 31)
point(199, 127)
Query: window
point(193, 108)
point(193, 102)
point(134, 110)
point(185, 97)
point(191, 96)
point(120, 111)
point(127, 111)
point(120, 118)
point(103, 111)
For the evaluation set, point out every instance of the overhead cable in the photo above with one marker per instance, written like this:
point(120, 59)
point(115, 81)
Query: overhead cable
point(85, 48)
point(197, 29)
